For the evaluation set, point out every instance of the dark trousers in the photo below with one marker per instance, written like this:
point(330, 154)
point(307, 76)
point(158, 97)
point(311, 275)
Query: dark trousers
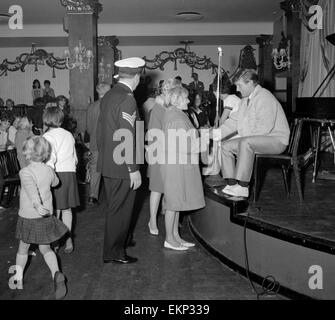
point(119, 204)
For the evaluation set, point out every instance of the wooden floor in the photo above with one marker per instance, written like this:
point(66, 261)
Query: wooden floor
point(315, 216)
point(158, 275)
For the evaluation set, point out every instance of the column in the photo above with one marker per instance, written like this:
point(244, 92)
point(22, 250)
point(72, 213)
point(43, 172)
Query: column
point(292, 10)
point(82, 26)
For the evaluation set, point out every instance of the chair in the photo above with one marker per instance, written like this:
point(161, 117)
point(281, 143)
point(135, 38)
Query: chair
point(9, 173)
point(288, 160)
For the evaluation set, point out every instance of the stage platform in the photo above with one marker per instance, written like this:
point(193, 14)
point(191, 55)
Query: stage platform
point(291, 241)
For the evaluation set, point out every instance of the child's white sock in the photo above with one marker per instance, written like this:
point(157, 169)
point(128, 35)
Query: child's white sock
point(67, 218)
point(51, 260)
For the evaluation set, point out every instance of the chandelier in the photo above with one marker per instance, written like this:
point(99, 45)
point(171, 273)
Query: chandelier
point(80, 56)
point(36, 57)
point(281, 56)
point(181, 55)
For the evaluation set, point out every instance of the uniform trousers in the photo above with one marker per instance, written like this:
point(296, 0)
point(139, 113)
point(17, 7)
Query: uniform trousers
point(119, 205)
point(245, 148)
point(95, 176)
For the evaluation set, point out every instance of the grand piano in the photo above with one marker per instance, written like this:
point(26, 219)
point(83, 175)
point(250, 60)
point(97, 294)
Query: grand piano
point(320, 113)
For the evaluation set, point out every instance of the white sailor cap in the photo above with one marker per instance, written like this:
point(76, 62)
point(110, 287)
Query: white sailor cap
point(130, 65)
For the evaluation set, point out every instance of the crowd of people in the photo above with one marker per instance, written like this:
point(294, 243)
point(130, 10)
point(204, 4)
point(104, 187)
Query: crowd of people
point(251, 121)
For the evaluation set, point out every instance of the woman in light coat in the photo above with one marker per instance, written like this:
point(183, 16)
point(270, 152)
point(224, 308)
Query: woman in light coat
point(183, 189)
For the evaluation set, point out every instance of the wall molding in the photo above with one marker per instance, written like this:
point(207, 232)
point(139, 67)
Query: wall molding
point(134, 41)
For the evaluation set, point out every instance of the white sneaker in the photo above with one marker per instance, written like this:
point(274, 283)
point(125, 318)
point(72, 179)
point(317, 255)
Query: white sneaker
point(238, 191)
point(228, 187)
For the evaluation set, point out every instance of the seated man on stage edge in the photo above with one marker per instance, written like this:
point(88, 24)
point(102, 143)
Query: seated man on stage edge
point(262, 128)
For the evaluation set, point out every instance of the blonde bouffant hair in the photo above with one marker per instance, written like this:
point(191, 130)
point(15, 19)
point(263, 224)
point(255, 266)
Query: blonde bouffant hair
point(176, 96)
point(36, 149)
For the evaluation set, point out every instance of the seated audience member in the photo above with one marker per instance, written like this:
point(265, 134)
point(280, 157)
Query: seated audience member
point(9, 104)
point(37, 91)
point(10, 111)
point(24, 131)
point(198, 114)
point(12, 131)
point(2, 103)
point(183, 190)
point(93, 112)
point(4, 125)
point(63, 103)
point(262, 127)
point(48, 91)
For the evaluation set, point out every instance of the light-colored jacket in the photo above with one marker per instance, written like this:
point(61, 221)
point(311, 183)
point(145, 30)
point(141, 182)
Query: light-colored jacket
point(263, 116)
point(36, 180)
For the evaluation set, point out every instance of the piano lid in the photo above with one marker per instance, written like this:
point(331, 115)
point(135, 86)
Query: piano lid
point(316, 108)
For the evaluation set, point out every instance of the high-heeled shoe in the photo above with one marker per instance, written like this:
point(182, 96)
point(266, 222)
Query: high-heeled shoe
point(187, 244)
point(153, 232)
point(170, 246)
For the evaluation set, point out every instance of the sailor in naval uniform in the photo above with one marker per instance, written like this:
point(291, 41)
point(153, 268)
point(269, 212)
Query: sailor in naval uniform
point(121, 175)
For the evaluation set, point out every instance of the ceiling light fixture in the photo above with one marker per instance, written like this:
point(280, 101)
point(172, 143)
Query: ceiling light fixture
point(189, 16)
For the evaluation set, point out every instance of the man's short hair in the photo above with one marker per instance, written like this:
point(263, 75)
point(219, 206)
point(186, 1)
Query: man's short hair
point(47, 81)
point(102, 87)
point(126, 75)
point(246, 75)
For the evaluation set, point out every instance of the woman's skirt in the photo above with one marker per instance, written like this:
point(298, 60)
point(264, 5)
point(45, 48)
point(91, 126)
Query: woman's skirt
point(155, 178)
point(40, 230)
point(66, 194)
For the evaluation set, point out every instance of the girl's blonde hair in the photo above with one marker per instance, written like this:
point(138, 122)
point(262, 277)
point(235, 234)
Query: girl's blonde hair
point(36, 149)
point(175, 96)
point(23, 123)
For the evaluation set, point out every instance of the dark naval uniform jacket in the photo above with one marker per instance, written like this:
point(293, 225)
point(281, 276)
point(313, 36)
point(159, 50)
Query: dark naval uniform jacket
point(118, 110)
point(196, 87)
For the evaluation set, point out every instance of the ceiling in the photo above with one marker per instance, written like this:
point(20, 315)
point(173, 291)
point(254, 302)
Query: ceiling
point(152, 11)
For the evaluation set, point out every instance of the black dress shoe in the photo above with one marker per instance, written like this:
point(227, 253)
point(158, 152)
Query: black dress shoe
point(123, 260)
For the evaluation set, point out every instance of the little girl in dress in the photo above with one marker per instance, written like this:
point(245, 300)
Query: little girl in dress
point(36, 224)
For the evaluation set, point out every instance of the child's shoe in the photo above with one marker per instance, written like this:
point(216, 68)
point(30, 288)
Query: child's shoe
point(59, 285)
point(68, 246)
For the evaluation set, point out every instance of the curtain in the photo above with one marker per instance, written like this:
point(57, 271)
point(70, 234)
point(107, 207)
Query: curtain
point(317, 55)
